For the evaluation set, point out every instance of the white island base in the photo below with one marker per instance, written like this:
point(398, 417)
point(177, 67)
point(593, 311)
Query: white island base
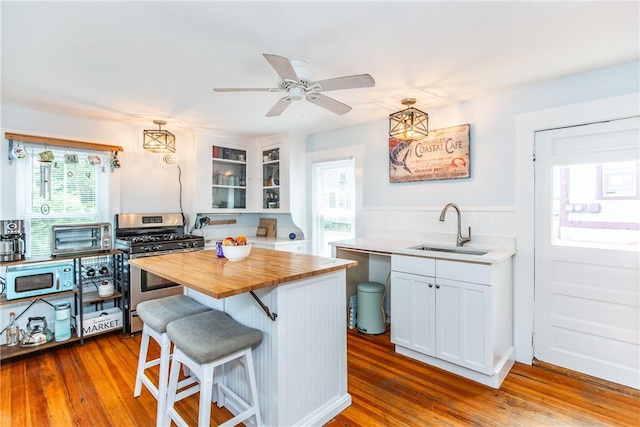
point(301, 364)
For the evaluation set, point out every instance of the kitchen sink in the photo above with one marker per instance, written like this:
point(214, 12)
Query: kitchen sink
point(456, 250)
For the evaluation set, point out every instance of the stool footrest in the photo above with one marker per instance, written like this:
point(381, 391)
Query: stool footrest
point(240, 417)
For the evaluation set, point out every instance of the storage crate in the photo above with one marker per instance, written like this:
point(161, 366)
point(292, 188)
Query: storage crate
point(101, 321)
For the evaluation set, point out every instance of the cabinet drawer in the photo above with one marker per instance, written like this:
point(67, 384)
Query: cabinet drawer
point(464, 271)
point(414, 265)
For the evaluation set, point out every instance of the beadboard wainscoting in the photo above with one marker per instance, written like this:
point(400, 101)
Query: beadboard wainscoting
point(489, 224)
point(301, 364)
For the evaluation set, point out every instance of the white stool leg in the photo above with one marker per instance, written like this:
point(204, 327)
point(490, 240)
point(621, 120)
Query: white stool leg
point(142, 360)
point(158, 391)
point(163, 380)
point(217, 395)
point(172, 390)
point(206, 384)
point(253, 387)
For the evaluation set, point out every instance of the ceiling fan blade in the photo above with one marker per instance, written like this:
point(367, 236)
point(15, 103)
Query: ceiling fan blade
point(347, 82)
point(246, 89)
point(282, 66)
point(280, 106)
point(328, 103)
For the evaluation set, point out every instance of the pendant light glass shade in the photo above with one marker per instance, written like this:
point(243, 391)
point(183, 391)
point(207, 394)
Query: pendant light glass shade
point(409, 124)
point(159, 141)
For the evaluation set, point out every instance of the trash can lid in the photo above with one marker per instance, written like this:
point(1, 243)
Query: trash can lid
point(372, 287)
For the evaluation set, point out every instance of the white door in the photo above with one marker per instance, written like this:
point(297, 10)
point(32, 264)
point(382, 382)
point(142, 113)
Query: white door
point(587, 297)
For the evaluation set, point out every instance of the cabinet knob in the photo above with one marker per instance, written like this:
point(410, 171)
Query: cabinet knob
point(431, 285)
point(437, 286)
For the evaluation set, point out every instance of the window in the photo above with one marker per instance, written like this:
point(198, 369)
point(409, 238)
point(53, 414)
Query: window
point(66, 190)
point(334, 203)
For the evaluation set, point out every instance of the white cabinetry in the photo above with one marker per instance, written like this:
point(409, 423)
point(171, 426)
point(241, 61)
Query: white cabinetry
point(272, 175)
point(224, 174)
point(245, 175)
point(299, 246)
point(412, 302)
point(462, 319)
point(453, 314)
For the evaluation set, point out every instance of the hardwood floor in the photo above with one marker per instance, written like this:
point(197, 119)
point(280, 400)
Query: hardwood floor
point(92, 385)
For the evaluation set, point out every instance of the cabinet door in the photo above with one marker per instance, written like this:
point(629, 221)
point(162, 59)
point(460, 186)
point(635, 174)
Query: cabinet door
point(273, 172)
point(228, 178)
point(222, 175)
point(297, 247)
point(413, 312)
point(463, 324)
point(270, 171)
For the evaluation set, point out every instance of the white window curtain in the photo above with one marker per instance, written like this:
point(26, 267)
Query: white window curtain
point(72, 188)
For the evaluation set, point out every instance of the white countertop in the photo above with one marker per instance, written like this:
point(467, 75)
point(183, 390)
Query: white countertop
point(403, 247)
point(271, 241)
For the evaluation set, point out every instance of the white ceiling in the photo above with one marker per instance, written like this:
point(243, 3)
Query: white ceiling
point(139, 61)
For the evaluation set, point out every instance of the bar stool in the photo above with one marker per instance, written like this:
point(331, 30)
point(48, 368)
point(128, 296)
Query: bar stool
point(204, 343)
point(156, 315)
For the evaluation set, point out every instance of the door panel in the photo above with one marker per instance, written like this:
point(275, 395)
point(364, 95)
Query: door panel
point(587, 297)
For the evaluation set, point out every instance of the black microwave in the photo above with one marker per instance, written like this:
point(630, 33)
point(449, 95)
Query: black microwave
point(40, 278)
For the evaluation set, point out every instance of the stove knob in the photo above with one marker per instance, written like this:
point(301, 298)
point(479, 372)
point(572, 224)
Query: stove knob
point(146, 248)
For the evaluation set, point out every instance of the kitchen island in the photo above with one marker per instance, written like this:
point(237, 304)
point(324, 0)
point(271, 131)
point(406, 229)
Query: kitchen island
point(301, 364)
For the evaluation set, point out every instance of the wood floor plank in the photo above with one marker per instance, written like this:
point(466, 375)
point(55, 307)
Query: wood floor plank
point(92, 385)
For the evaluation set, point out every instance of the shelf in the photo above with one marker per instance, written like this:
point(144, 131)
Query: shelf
point(7, 352)
point(228, 161)
point(92, 297)
point(4, 300)
point(117, 277)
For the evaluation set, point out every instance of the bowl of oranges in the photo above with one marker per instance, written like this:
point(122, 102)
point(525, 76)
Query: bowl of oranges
point(236, 249)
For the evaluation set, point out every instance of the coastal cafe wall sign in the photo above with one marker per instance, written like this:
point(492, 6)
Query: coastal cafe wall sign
point(444, 154)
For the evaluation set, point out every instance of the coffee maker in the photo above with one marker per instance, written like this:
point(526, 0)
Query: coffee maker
point(11, 240)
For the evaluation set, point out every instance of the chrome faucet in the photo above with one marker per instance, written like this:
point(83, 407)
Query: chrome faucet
point(459, 240)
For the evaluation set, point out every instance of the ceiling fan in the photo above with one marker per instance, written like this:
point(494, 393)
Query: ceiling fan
point(297, 85)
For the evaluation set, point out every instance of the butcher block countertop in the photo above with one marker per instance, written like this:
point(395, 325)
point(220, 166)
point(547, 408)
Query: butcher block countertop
point(204, 272)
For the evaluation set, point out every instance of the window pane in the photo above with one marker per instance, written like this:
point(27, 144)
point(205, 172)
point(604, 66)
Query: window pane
point(597, 205)
point(67, 190)
point(334, 206)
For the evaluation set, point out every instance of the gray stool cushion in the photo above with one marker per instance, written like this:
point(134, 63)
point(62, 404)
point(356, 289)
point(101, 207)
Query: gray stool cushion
point(209, 336)
point(158, 313)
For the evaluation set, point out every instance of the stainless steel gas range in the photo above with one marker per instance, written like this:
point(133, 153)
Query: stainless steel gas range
point(141, 235)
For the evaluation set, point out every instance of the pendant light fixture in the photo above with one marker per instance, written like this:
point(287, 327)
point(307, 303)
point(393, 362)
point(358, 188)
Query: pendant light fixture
point(409, 124)
point(159, 141)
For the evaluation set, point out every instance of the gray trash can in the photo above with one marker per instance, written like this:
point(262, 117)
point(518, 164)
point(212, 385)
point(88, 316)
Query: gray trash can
point(370, 311)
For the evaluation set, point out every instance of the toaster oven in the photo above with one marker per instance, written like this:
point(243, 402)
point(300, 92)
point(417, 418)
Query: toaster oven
point(72, 239)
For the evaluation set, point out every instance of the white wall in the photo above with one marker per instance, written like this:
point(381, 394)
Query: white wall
point(143, 184)
point(492, 200)
point(492, 139)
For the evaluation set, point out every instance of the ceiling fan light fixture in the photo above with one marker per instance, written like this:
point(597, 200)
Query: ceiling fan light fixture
point(159, 141)
point(409, 124)
point(296, 93)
